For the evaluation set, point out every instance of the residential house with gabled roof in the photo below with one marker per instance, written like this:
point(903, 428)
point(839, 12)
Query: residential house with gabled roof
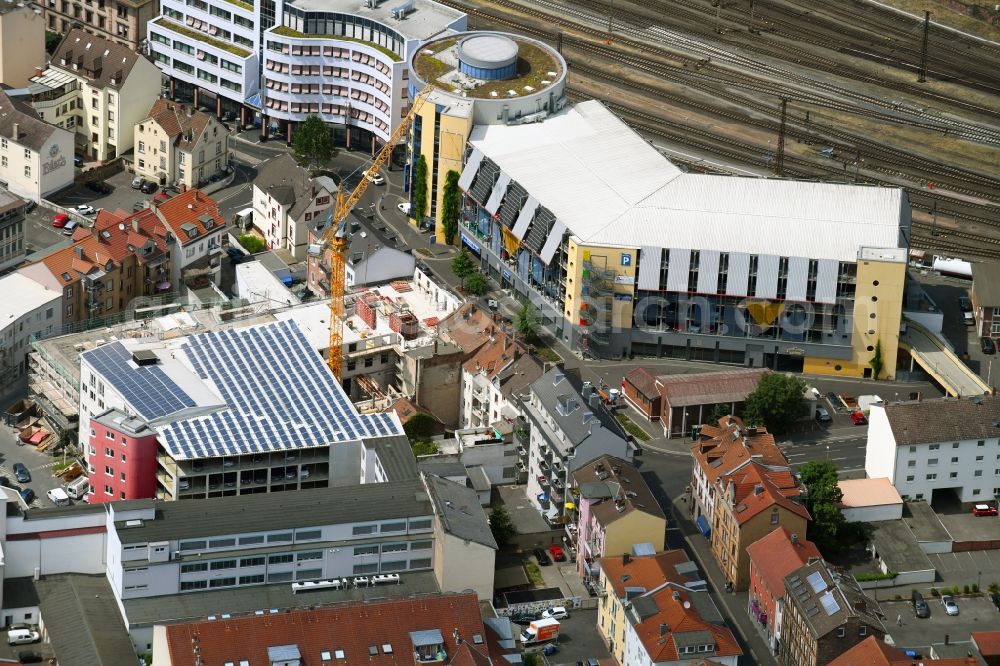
point(287, 202)
point(720, 449)
point(569, 427)
point(771, 559)
point(36, 157)
point(98, 88)
point(180, 145)
point(492, 376)
point(197, 227)
point(654, 609)
point(750, 502)
point(614, 509)
point(432, 628)
point(122, 257)
point(875, 652)
point(826, 614)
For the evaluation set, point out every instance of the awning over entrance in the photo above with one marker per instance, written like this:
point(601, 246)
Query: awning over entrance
point(703, 525)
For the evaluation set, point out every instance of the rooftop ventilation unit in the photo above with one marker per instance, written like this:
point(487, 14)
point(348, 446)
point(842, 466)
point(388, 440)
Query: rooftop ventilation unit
point(400, 12)
point(371, 4)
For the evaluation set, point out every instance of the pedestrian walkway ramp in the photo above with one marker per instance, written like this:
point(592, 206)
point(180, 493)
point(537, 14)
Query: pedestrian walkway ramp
point(931, 354)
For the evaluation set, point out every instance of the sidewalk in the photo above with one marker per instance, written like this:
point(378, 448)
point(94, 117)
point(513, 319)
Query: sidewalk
point(734, 604)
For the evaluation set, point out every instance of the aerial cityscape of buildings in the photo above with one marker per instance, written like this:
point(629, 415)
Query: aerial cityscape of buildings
point(479, 333)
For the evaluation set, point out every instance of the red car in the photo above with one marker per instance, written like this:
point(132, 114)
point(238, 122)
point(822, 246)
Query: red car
point(858, 418)
point(60, 220)
point(984, 510)
point(161, 197)
point(557, 553)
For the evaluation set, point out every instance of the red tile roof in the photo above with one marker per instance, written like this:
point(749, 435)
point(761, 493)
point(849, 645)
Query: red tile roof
point(775, 556)
point(988, 642)
point(874, 652)
point(709, 388)
point(644, 571)
point(190, 207)
point(728, 445)
point(679, 620)
point(757, 488)
point(643, 381)
point(352, 627)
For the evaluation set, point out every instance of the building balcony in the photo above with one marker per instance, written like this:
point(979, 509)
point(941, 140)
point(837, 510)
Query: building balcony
point(522, 466)
point(557, 483)
point(544, 466)
point(557, 497)
point(522, 452)
point(543, 481)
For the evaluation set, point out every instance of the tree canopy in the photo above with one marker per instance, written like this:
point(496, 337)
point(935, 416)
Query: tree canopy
point(420, 189)
point(829, 530)
point(313, 143)
point(526, 323)
point(452, 204)
point(501, 525)
point(463, 266)
point(776, 403)
point(476, 285)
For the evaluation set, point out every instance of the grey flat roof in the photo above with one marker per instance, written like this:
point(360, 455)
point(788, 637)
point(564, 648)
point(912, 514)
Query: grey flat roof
point(396, 456)
point(19, 593)
point(459, 510)
point(83, 621)
point(60, 511)
point(428, 20)
point(898, 548)
point(269, 511)
point(924, 523)
point(554, 388)
point(199, 605)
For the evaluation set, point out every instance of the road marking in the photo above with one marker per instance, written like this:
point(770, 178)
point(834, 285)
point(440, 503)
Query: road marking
point(796, 455)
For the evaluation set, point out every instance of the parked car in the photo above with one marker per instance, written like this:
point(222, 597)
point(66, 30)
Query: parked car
point(29, 657)
point(822, 415)
point(920, 607)
point(100, 187)
point(148, 187)
point(557, 553)
point(542, 557)
point(161, 197)
point(523, 618)
point(964, 304)
point(138, 182)
point(950, 607)
point(22, 636)
point(984, 510)
point(995, 598)
point(78, 161)
point(858, 418)
point(28, 495)
point(138, 205)
point(987, 345)
point(403, 207)
point(376, 178)
point(556, 613)
point(4, 482)
point(60, 220)
point(85, 209)
point(21, 473)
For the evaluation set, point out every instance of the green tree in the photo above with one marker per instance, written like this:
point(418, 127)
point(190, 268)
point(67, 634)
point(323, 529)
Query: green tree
point(424, 447)
point(420, 426)
point(776, 403)
point(420, 190)
point(252, 244)
point(313, 143)
point(52, 40)
point(719, 411)
point(526, 323)
point(829, 530)
point(476, 285)
point(452, 204)
point(463, 266)
point(501, 525)
point(876, 363)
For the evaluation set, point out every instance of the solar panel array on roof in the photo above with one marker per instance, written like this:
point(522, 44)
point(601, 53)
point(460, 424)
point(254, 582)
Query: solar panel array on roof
point(512, 204)
point(486, 179)
point(146, 388)
point(280, 395)
point(539, 230)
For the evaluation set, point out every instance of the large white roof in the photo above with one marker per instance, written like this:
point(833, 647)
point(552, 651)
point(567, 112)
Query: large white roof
point(610, 187)
point(21, 296)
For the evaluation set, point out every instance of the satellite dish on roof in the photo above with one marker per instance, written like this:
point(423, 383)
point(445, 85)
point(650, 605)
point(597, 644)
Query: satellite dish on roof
point(687, 604)
point(121, 227)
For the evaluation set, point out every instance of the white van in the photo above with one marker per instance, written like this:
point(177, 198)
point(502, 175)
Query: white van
point(78, 487)
point(70, 227)
point(58, 496)
point(21, 636)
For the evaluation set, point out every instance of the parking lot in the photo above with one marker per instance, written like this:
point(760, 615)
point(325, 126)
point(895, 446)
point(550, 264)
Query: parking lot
point(121, 197)
point(579, 639)
point(975, 614)
point(980, 567)
point(39, 466)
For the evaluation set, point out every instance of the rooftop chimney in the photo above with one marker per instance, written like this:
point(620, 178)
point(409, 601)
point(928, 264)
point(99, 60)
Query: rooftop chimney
point(626, 558)
point(135, 224)
point(15, 133)
point(795, 538)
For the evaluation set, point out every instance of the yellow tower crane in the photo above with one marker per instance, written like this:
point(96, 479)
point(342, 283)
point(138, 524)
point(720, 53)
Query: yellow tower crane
point(335, 237)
